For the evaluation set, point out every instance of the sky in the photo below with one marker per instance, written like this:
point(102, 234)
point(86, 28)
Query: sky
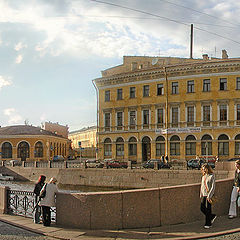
point(51, 50)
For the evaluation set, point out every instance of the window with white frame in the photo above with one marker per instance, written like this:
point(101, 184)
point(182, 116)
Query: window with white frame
point(223, 145)
point(160, 89)
point(160, 146)
point(175, 116)
point(108, 147)
point(206, 117)
point(119, 120)
point(223, 114)
point(145, 117)
point(190, 86)
point(190, 115)
point(107, 96)
point(206, 85)
point(119, 147)
point(132, 119)
point(107, 121)
point(174, 87)
point(223, 84)
point(238, 83)
point(132, 151)
point(160, 117)
point(146, 91)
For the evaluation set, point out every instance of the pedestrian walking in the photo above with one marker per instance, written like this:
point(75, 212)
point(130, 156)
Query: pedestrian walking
point(235, 192)
point(37, 189)
point(206, 194)
point(48, 201)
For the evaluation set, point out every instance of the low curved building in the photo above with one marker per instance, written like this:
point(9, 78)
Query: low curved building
point(23, 142)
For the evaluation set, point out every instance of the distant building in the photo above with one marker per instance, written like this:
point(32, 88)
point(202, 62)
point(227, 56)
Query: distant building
point(56, 128)
point(86, 138)
point(154, 106)
point(24, 142)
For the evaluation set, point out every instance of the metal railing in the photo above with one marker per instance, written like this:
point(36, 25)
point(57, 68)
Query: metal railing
point(22, 203)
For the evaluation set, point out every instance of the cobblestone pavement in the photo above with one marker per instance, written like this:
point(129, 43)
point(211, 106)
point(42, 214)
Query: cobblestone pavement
point(9, 232)
point(233, 236)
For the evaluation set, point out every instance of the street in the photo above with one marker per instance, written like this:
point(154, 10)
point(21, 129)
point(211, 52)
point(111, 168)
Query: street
point(10, 232)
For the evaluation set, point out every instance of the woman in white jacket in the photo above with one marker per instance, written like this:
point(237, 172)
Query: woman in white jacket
point(206, 194)
point(48, 201)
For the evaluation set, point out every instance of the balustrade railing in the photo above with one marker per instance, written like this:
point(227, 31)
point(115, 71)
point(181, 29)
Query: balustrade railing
point(22, 203)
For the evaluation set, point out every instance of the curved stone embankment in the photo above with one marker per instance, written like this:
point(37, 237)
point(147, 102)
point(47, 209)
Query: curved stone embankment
point(119, 178)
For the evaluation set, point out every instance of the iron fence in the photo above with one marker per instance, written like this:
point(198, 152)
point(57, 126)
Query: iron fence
point(22, 203)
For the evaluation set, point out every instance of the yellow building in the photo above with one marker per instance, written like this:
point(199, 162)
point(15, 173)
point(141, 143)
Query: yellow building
point(149, 107)
point(26, 143)
point(86, 137)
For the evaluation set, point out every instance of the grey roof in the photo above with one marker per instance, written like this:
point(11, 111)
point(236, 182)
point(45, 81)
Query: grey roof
point(25, 130)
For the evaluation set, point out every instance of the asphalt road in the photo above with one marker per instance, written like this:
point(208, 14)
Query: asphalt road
point(9, 232)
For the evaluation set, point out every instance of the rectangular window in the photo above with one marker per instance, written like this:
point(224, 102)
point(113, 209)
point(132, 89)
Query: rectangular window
point(119, 120)
point(175, 117)
point(238, 113)
point(238, 83)
point(107, 121)
point(132, 92)
point(120, 149)
point(206, 115)
point(223, 148)
point(160, 117)
point(119, 94)
point(146, 91)
point(223, 114)
point(132, 149)
point(132, 119)
point(175, 149)
point(237, 148)
point(223, 84)
point(160, 149)
point(160, 89)
point(190, 86)
point(107, 96)
point(146, 117)
point(190, 148)
point(206, 85)
point(190, 116)
point(174, 87)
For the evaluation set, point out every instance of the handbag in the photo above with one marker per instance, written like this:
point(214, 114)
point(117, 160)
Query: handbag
point(213, 199)
point(43, 192)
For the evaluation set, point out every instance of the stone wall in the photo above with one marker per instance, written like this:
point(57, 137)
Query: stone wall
point(119, 178)
point(138, 208)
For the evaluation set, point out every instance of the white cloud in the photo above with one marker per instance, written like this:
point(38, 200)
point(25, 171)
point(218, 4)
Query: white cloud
point(13, 116)
point(19, 59)
point(4, 82)
point(20, 46)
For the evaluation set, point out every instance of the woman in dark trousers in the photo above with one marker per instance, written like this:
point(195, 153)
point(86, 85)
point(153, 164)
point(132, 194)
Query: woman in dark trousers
point(48, 201)
point(206, 194)
point(37, 189)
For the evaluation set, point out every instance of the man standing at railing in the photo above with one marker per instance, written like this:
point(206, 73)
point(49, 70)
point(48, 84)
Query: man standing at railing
point(37, 190)
point(48, 201)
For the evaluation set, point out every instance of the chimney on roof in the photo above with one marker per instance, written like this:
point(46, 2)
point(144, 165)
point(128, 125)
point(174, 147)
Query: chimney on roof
point(205, 56)
point(224, 54)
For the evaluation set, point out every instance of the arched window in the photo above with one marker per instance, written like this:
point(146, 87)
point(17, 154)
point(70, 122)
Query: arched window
point(107, 147)
point(237, 145)
point(120, 147)
point(38, 151)
point(160, 146)
point(206, 145)
point(175, 145)
point(223, 145)
point(23, 150)
point(132, 146)
point(190, 145)
point(6, 150)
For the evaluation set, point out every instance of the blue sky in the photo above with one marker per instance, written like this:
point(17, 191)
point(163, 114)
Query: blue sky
point(50, 51)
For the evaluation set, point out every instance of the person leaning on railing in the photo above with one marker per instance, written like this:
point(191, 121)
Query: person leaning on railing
point(48, 201)
point(38, 186)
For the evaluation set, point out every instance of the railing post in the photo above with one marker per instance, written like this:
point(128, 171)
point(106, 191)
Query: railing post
point(65, 164)
point(35, 164)
point(49, 164)
point(156, 165)
point(3, 163)
point(129, 164)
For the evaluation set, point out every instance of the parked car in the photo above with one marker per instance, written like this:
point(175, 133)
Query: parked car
point(161, 164)
point(58, 158)
point(116, 164)
point(94, 163)
point(196, 163)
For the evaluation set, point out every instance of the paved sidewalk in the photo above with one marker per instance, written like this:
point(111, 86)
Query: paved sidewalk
point(195, 230)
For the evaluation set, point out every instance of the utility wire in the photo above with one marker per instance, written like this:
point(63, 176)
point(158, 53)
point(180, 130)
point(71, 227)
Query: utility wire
point(155, 15)
point(192, 9)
